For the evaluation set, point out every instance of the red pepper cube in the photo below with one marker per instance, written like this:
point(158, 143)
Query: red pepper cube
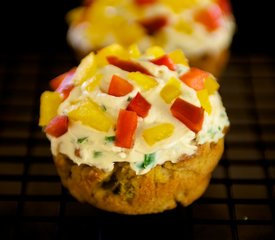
point(190, 115)
point(139, 105)
point(166, 61)
point(57, 126)
point(126, 65)
point(225, 6)
point(119, 87)
point(210, 17)
point(63, 79)
point(154, 24)
point(125, 128)
point(194, 78)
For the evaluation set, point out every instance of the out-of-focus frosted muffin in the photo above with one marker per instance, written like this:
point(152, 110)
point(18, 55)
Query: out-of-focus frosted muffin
point(203, 29)
point(135, 133)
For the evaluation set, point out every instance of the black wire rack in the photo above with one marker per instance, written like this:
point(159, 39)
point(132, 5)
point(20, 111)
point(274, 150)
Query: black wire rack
point(238, 204)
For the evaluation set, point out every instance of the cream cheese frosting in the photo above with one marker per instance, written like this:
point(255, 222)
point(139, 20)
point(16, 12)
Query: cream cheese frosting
point(84, 144)
point(181, 30)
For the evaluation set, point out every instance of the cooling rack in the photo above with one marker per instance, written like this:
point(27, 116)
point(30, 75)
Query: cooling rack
point(238, 204)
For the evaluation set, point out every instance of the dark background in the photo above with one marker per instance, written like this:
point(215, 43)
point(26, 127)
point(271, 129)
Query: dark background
point(40, 26)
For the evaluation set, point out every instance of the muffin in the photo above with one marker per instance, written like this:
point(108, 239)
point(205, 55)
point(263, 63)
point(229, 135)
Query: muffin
point(134, 132)
point(203, 29)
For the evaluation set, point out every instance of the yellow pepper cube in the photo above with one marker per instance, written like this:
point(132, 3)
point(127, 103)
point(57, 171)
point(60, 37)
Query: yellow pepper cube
point(143, 80)
point(86, 69)
point(49, 103)
point(74, 15)
point(157, 133)
point(91, 114)
point(171, 90)
point(211, 85)
point(155, 51)
point(128, 33)
point(178, 57)
point(204, 100)
point(111, 50)
point(134, 51)
point(183, 26)
point(178, 6)
point(94, 83)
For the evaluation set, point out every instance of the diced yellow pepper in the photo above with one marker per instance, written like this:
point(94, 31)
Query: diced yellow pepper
point(157, 133)
point(134, 51)
point(143, 80)
point(91, 114)
point(86, 69)
point(128, 33)
point(171, 90)
point(211, 85)
point(111, 50)
point(154, 51)
point(184, 26)
point(204, 100)
point(94, 83)
point(74, 15)
point(178, 57)
point(177, 5)
point(49, 103)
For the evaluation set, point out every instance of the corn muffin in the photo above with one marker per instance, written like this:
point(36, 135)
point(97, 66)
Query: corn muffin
point(134, 132)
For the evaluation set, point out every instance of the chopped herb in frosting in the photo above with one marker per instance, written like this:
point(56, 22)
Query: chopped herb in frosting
point(82, 140)
point(148, 159)
point(129, 99)
point(103, 107)
point(110, 138)
point(97, 154)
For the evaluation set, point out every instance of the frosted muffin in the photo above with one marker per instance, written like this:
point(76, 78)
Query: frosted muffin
point(203, 29)
point(134, 132)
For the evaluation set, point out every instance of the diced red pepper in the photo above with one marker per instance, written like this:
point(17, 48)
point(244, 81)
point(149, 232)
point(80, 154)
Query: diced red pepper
point(144, 2)
point(57, 126)
point(139, 105)
point(55, 82)
point(66, 86)
point(154, 24)
point(165, 60)
point(194, 78)
point(127, 65)
point(190, 115)
point(126, 128)
point(210, 17)
point(225, 6)
point(119, 87)
point(66, 90)
point(64, 77)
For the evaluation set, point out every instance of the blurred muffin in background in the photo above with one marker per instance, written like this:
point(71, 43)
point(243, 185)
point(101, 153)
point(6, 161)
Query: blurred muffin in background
point(203, 29)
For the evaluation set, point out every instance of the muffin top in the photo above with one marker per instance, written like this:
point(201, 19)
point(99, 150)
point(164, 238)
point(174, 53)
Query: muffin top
point(123, 105)
point(197, 26)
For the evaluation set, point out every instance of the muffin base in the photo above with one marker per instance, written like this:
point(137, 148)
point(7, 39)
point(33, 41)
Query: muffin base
point(214, 64)
point(122, 191)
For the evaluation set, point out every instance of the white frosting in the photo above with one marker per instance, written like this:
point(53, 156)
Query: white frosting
point(197, 43)
point(94, 150)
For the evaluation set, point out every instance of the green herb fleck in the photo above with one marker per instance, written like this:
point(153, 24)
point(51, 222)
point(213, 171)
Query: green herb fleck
point(148, 159)
point(129, 99)
point(97, 154)
point(103, 107)
point(110, 138)
point(82, 140)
